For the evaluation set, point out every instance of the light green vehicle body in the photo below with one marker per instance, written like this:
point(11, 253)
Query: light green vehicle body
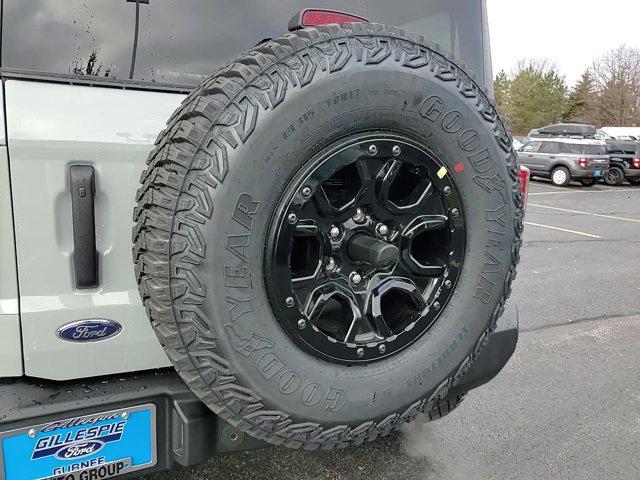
point(10, 342)
point(50, 127)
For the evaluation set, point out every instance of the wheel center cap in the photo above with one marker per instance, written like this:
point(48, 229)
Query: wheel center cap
point(375, 252)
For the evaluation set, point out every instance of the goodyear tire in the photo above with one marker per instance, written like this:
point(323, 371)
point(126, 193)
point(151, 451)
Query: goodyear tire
point(208, 205)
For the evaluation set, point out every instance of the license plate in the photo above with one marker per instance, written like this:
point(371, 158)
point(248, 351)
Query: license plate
point(597, 173)
point(91, 447)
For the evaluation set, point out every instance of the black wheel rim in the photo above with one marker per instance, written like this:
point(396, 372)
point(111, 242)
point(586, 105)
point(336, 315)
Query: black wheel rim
point(365, 248)
point(613, 175)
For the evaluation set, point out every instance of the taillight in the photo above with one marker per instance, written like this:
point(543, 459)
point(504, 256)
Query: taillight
point(582, 162)
point(636, 163)
point(318, 16)
point(523, 183)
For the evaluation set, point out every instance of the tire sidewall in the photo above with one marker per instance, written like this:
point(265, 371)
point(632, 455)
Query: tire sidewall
point(359, 98)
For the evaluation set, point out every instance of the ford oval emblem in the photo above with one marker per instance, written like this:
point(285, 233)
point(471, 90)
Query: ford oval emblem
point(79, 450)
point(92, 330)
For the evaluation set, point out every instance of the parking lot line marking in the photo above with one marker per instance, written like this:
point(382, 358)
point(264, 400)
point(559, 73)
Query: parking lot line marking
point(602, 215)
point(608, 190)
point(549, 187)
point(590, 235)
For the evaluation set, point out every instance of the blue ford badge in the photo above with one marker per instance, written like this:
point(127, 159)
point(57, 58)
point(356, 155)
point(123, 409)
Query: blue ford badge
point(92, 330)
point(79, 450)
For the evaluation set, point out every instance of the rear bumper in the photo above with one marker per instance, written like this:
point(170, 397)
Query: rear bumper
point(632, 172)
point(188, 433)
point(580, 173)
point(493, 358)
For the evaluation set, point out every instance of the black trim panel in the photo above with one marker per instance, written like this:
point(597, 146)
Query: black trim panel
point(85, 254)
point(87, 80)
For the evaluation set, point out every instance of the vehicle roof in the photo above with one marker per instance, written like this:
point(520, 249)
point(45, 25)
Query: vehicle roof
point(570, 125)
point(581, 141)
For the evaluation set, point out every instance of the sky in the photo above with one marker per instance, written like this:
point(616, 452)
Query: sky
point(570, 33)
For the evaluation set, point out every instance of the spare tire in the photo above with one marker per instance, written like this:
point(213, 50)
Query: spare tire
point(326, 233)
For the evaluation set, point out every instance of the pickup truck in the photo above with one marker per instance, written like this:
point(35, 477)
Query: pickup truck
point(624, 156)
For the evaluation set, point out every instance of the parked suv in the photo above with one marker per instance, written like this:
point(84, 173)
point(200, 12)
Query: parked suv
point(625, 162)
point(566, 159)
point(217, 234)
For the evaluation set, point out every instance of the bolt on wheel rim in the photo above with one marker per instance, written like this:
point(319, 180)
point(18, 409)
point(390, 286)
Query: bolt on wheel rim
point(374, 254)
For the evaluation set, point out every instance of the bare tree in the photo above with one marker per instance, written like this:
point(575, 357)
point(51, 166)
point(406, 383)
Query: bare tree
point(616, 78)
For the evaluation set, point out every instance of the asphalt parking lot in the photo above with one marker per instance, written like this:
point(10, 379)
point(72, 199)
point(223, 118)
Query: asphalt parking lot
point(568, 403)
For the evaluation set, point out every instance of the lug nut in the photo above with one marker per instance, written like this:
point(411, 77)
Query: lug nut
point(395, 150)
point(382, 229)
point(331, 265)
point(306, 191)
point(360, 352)
point(292, 218)
point(373, 149)
point(447, 190)
point(455, 212)
point(355, 278)
point(447, 284)
point(382, 348)
point(334, 232)
point(302, 323)
point(436, 305)
point(289, 301)
point(359, 216)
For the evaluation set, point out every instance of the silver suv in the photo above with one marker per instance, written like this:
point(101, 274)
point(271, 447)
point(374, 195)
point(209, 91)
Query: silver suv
point(566, 159)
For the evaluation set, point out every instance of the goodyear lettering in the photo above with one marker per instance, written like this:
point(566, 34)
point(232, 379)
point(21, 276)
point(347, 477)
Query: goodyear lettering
point(238, 307)
point(245, 210)
point(238, 245)
point(498, 216)
point(484, 289)
point(490, 180)
point(469, 140)
point(289, 382)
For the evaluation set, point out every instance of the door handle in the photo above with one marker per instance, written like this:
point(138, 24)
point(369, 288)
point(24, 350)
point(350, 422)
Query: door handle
point(85, 254)
point(552, 157)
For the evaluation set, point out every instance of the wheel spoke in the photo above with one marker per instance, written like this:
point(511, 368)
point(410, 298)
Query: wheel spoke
point(425, 245)
point(344, 187)
point(403, 188)
point(354, 328)
point(381, 325)
point(322, 295)
point(307, 251)
point(394, 304)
